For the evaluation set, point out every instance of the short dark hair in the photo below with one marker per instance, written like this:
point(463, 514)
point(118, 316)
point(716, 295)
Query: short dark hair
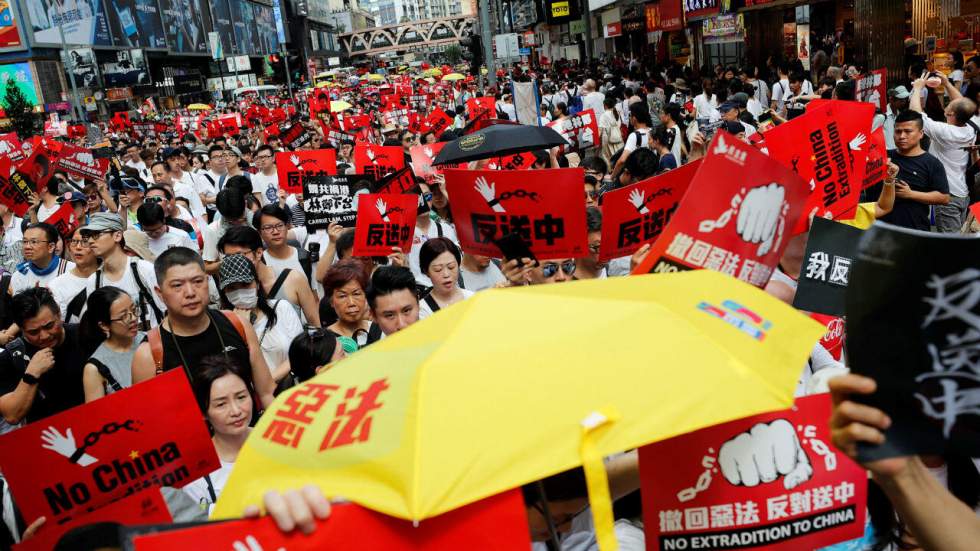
point(176, 256)
point(910, 116)
point(166, 191)
point(641, 163)
point(641, 113)
point(796, 77)
point(273, 210)
point(214, 148)
point(345, 242)
point(230, 203)
point(596, 163)
point(265, 147)
point(386, 280)
point(846, 90)
point(310, 350)
point(50, 232)
point(344, 271)
point(435, 247)
point(27, 304)
point(563, 486)
point(161, 163)
point(243, 236)
point(593, 220)
point(241, 183)
point(150, 213)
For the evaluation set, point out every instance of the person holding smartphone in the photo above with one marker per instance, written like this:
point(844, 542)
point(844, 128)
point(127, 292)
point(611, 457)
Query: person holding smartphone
point(921, 179)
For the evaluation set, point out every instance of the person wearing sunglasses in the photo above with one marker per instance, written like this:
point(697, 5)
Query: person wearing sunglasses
point(591, 191)
point(110, 322)
point(529, 272)
point(589, 267)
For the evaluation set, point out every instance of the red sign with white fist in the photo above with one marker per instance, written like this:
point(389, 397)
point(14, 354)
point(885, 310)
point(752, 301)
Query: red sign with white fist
point(772, 481)
point(736, 217)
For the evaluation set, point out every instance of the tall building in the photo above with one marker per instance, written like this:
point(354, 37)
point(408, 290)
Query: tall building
point(391, 12)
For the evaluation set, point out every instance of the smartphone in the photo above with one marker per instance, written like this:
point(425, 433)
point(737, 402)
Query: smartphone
point(513, 247)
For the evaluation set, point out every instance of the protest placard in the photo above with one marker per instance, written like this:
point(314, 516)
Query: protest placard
point(517, 161)
point(64, 219)
point(637, 214)
point(771, 481)
point(422, 157)
point(378, 161)
point(293, 166)
point(872, 88)
point(81, 162)
point(10, 147)
point(828, 148)
point(384, 221)
point(438, 121)
point(295, 136)
point(580, 130)
point(98, 452)
point(877, 167)
point(735, 217)
point(830, 250)
point(14, 190)
point(481, 108)
point(913, 325)
point(488, 204)
point(329, 199)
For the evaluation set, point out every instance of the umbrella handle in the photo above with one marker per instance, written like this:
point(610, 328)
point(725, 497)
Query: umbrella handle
point(552, 543)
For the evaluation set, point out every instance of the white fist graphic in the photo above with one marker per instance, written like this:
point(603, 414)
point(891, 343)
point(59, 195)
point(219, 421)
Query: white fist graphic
point(636, 198)
point(489, 193)
point(382, 209)
point(763, 454)
point(857, 142)
point(85, 158)
point(370, 156)
point(759, 215)
point(427, 151)
point(295, 160)
point(250, 544)
point(5, 147)
point(64, 445)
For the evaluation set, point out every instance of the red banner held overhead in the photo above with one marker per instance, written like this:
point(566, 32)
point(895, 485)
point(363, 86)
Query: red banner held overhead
point(422, 157)
point(637, 214)
point(873, 88)
point(488, 204)
point(735, 218)
point(10, 147)
point(384, 221)
point(378, 160)
point(15, 192)
point(517, 161)
point(438, 121)
point(64, 219)
point(828, 148)
point(229, 124)
point(292, 166)
point(497, 522)
point(482, 107)
point(96, 453)
point(80, 162)
point(771, 481)
point(665, 15)
point(580, 130)
point(877, 167)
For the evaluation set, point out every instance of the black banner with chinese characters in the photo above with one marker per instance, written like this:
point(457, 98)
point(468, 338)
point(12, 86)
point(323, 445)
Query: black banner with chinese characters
point(913, 325)
point(329, 199)
point(830, 250)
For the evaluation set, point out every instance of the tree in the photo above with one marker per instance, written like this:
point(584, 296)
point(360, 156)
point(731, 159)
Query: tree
point(19, 110)
point(453, 54)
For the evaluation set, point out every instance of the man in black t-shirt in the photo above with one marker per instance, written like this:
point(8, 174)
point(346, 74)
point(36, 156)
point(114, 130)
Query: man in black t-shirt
point(41, 371)
point(921, 177)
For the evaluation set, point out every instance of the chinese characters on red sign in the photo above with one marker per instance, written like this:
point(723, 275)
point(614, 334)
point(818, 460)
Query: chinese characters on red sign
point(384, 221)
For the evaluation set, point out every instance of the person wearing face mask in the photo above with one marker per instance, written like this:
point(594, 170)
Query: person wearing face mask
point(439, 259)
point(275, 323)
point(111, 321)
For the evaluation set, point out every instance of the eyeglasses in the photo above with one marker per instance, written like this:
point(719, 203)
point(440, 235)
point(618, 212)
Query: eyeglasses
point(154, 199)
point(274, 227)
point(257, 157)
point(90, 237)
point(595, 247)
point(127, 317)
point(591, 194)
point(35, 242)
point(80, 242)
point(551, 268)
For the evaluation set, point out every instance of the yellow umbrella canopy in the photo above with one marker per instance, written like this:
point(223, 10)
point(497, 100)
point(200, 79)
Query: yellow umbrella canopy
point(466, 403)
point(453, 77)
point(375, 77)
point(198, 107)
point(337, 106)
point(433, 72)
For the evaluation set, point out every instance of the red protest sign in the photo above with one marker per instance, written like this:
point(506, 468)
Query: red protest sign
point(735, 217)
point(422, 157)
point(80, 162)
point(384, 221)
point(873, 88)
point(483, 107)
point(397, 182)
point(378, 160)
point(438, 121)
point(352, 122)
point(497, 522)
point(10, 147)
point(292, 166)
point(144, 507)
point(295, 136)
point(15, 189)
point(637, 214)
point(517, 161)
point(64, 219)
point(98, 452)
point(827, 148)
point(488, 204)
point(772, 481)
point(877, 167)
point(229, 124)
point(580, 130)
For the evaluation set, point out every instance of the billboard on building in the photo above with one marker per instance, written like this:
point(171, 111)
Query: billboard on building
point(244, 22)
point(265, 27)
point(136, 24)
point(81, 63)
point(129, 69)
point(187, 30)
point(84, 22)
point(221, 23)
point(21, 74)
point(9, 33)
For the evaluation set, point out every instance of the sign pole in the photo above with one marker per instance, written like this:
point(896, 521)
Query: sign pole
point(285, 66)
point(487, 47)
point(76, 106)
point(587, 17)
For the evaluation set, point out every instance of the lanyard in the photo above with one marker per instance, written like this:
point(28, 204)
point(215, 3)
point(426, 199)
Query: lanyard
point(180, 352)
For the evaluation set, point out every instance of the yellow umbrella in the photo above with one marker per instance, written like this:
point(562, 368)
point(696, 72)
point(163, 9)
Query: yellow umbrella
point(466, 404)
point(453, 77)
point(433, 72)
point(337, 106)
point(375, 77)
point(198, 107)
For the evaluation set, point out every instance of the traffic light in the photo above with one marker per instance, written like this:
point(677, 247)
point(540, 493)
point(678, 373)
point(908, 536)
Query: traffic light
point(273, 58)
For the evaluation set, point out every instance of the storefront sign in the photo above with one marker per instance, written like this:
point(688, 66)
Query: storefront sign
point(613, 29)
point(561, 11)
point(21, 74)
point(700, 8)
point(118, 94)
point(724, 28)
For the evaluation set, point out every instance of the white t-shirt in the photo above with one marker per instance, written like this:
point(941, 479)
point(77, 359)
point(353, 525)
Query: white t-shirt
point(276, 340)
point(675, 148)
point(631, 139)
point(44, 212)
point(947, 145)
point(418, 238)
point(13, 233)
point(705, 108)
point(593, 100)
point(478, 281)
point(171, 238)
point(278, 265)
point(20, 281)
point(198, 489)
point(186, 187)
point(426, 311)
point(65, 288)
point(128, 284)
point(508, 109)
point(266, 186)
point(781, 91)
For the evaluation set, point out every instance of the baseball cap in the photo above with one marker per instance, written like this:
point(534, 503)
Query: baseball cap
point(732, 127)
point(104, 221)
point(899, 92)
point(139, 243)
point(132, 183)
point(727, 106)
point(234, 269)
point(73, 197)
point(740, 99)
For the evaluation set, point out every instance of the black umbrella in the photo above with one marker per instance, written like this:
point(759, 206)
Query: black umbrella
point(497, 141)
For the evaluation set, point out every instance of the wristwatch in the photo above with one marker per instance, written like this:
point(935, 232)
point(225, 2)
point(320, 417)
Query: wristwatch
point(30, 379)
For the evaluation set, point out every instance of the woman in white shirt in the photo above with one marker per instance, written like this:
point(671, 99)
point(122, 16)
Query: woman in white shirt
point(439, 259)
point(225, 400)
